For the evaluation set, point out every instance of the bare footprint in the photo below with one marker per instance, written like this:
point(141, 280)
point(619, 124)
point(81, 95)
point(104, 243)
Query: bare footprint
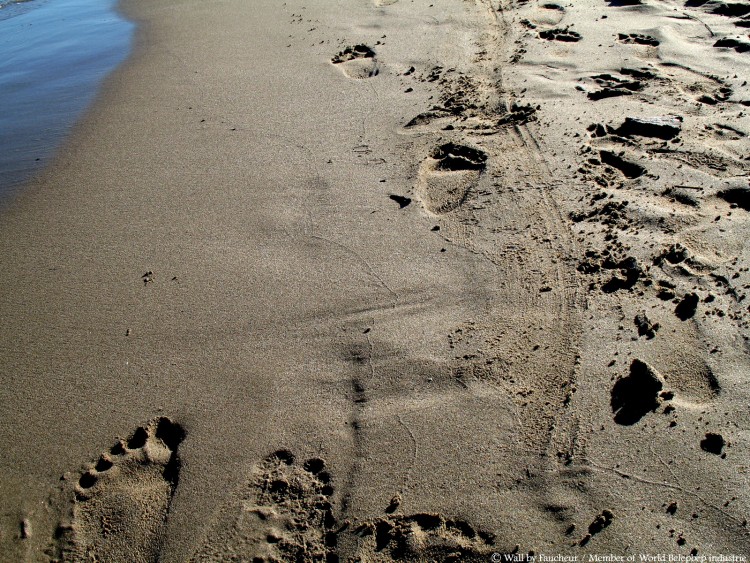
point(357, 62)
point(282, 513)
point(548, 14)
point(422, 537)
point(565, 35)
point(122, 501)
point(448, 175)
point(637, 39)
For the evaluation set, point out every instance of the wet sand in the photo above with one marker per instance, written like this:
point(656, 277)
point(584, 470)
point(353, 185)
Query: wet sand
point(387, 281)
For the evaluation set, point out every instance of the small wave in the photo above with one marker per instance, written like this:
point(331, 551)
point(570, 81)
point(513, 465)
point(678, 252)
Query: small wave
point(11, 8)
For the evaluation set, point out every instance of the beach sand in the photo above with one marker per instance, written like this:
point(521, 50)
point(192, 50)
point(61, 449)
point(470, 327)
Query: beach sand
point(382, 280)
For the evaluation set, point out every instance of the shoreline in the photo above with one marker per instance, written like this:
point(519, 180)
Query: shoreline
point(49, 81)
point(385, 283)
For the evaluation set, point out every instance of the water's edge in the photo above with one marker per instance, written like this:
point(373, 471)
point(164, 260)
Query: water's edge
point(54, 56)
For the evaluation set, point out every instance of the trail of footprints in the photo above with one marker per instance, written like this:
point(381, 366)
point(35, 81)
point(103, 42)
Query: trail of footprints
point(283, 512)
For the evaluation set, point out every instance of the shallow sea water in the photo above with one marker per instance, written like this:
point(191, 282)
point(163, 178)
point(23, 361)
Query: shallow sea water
point(54, 55)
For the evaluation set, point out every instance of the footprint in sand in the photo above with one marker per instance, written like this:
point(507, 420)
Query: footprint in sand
point(381, 3)
point(282, 513)
point(637, 39)
point(121, 502)
point(565, 35)
point(548, 14)
point(422, 537)
point(447, 176)
point(357, 62)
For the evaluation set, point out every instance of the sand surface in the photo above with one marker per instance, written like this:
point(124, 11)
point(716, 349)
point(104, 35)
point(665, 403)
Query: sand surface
point(380, 280)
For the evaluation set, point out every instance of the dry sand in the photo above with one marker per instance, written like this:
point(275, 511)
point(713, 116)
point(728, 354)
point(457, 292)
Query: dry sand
point(388, 280)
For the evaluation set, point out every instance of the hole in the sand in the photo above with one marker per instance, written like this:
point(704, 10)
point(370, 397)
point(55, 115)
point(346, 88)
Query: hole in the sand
point(327, 490)
point(737, 196)
point(324, 477)
point(638, 39)
point(284, 456)
point(427, 521)
point(169, 432)
point(637, 394)
point(172, 470)
point(103, 464)
point(360, 51)
point(455, 157)
point(629, 169)
point(87, 480)
point(732, 9)
point(278, 486)
point(564, 35)
point(314, 465)
point(329, 520)
point(382, 534)
point(731, 43)
point(138, 439)
point(118, 448)
point(461, 526)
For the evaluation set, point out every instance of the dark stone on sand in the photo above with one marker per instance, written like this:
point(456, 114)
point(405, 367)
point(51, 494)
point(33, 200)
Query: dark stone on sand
point(601, 521)
point(401, 200)
point(636, 394)
point(645, 326)
point(686, 308)
point(713, 443)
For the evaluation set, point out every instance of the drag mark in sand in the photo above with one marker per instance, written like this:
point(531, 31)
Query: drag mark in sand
point(741, 523)
point(367, 265)
point(122, 502)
